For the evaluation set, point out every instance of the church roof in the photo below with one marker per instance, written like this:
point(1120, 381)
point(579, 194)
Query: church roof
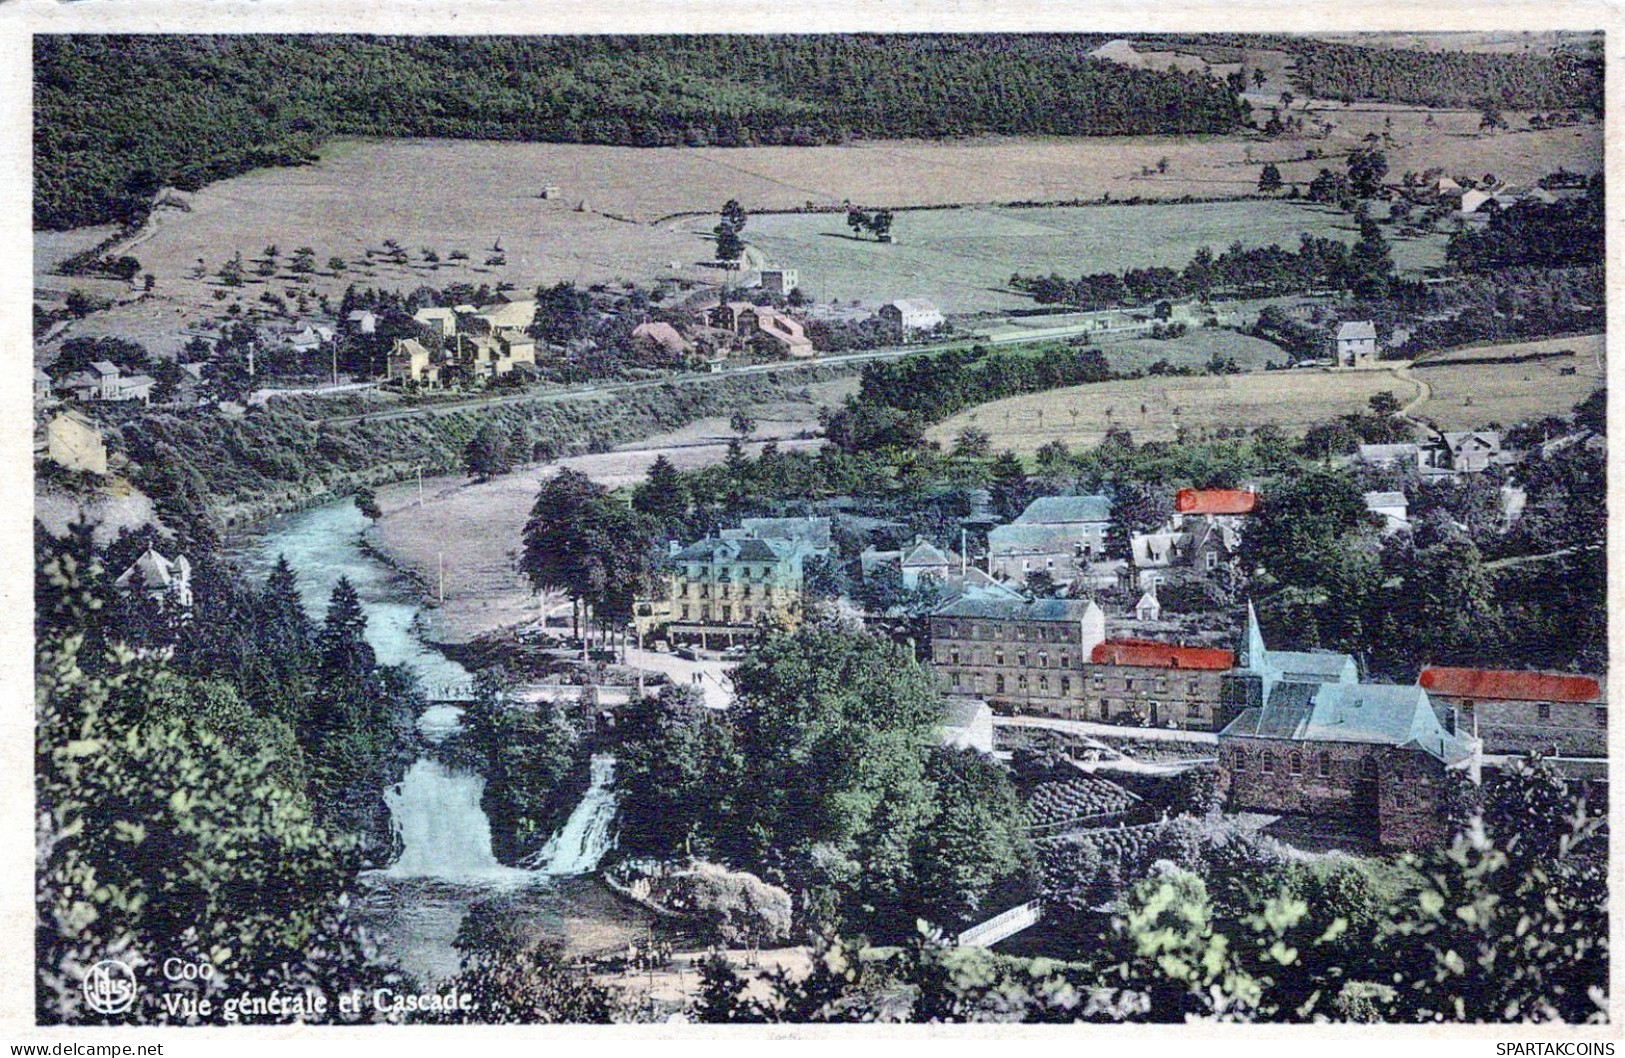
point(1375, 714)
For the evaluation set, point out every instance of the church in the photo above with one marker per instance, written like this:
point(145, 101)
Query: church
point(1309, 738)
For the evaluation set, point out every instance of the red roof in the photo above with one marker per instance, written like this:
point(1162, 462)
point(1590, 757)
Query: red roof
point(1146, 653)
point(1215, 501)
point(1504, 685)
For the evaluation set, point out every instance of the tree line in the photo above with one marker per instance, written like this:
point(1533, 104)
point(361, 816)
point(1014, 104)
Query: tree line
point(119, 117)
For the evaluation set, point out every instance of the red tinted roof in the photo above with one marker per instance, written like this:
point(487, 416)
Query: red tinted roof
point(1146, 653)
point(1512, 686)
point(1215, 501)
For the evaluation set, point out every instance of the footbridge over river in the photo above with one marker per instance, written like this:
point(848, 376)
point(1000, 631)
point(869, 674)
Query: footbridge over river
point(1002, 926)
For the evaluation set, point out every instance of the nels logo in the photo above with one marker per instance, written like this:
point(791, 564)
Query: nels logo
point(109, 987)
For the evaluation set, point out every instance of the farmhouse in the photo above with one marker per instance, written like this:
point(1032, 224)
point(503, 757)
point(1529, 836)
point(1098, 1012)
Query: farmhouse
point(362, 321)
point(1309, 738)
point(1521, 712)
point(74, 442)
point(1020, 655)
point(442, 321)
point(1471, 451)
point(908, 318)
point(159, 578)
point(409, 361)
point(1357, 344)
point(104, 381)
point(1058, 535)
point(779, 281)
point(1391, 507)
point(782, 332)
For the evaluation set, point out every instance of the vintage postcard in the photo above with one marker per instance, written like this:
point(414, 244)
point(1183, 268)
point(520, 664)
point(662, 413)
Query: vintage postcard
point(712, 521)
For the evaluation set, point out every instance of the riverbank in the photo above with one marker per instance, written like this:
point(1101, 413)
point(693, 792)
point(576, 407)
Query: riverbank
point(461, 539)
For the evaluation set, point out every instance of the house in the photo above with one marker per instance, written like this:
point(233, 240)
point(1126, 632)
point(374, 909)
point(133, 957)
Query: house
point(42, 386)
point(438, 319)
point(1472, 451)
point(484, 356)
point(1561, 714)
point(1406, 456)
point(1058, 535)
point(410, 361)
point(967, 723)
point(362, 321)
point(1391, 507)
point(1020, 655)
point(308, 339)
point(663, 335)
point(159, 578)
point(104, 381)
point(924, 563)
point(907, 318)
point(1140, 681)
point(1357, 344)
point(502, 316)
point(74, 442)
point(753, 323)
point(779, 281)
point(723, 587)
point(1309, 738)
point(1148, 609)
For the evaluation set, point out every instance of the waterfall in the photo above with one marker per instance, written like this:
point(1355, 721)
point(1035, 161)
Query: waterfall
point(585, 837)
point(443, 831)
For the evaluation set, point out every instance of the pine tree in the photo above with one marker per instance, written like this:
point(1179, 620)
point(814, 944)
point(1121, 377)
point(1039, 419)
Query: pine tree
point(1269, 179)
point(663, 497)
point(341, 645)
point(1010, 490)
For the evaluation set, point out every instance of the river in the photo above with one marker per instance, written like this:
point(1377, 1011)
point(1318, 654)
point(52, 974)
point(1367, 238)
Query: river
point(415, 907)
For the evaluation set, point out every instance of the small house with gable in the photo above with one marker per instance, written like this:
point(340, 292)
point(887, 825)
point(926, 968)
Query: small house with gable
point(1357, 344)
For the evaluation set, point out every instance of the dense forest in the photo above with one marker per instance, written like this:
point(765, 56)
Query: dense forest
point(118, 117)
point(1564, 80)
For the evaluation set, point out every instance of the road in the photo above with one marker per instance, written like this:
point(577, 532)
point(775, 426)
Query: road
point(1088, 729)
point(712, 677)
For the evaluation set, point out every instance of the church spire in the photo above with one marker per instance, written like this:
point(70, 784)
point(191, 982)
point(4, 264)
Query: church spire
point(1252, 647)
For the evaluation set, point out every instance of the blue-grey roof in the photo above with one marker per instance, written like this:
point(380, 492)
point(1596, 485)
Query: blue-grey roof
point(982, 606)
point(740, 549)
point(1319, 666)
point(1064, 509)
point(1017, 537)
point(1376, 714)
point(815, 531)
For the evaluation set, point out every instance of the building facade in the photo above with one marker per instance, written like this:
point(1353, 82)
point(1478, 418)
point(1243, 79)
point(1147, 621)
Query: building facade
point(1556, 714)
point(1019, 655)
point(908, 318)
point(1137, 681)
point(1058, 535)
point(1357, 344)
point(1308, 738)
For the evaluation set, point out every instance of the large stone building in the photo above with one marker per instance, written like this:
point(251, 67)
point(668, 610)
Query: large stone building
point(1521, 712)
point(1058, 535)
point(1309, 738)
point(1137, 681)
point(720, 589)
point(1020, 655)
point(909, 318)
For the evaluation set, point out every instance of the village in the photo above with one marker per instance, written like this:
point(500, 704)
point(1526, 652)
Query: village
point(652, 591)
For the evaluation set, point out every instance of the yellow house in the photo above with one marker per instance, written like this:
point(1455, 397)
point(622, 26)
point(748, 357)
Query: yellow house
point(410, 361)
point(73, 441)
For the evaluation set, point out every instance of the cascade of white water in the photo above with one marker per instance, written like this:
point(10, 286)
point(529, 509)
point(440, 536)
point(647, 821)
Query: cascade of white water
point(585, 837)
point(443, 831)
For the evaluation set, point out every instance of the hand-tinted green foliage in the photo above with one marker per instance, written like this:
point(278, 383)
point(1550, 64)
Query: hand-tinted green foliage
point(1534, 234)
point(589, 545)
point(173, 821)
point(1447, 78)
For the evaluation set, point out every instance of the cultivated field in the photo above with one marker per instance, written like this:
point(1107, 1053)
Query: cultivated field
point(473, 196)
point(1464, 396)
point(963, 258)
point(1153, 409)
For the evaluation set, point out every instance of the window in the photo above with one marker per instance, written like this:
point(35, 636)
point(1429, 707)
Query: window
point(1021, 659)
point(1128, 683)
point(955, 656)
point(705, 612)
point(1545, 710)
point(1295, 763)
point(998, 657)
point(1195, 686)
point(1162, 684)
point(1212, 560)
point(1239, 761)
point(727, 613)
point(1194, 710)
point(1368, 768)
point(1099, 681)
point(746, 611)
point(705, 591)
point(1601, 716)
point(1066, 661)
point(1021, 682)
point(998, 683)
point(1267, 763)
point(1043, 684)
point(685, 611)
point(1043, 659)
point(1066, 685)
point(956, 680)
point(1325, 765)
